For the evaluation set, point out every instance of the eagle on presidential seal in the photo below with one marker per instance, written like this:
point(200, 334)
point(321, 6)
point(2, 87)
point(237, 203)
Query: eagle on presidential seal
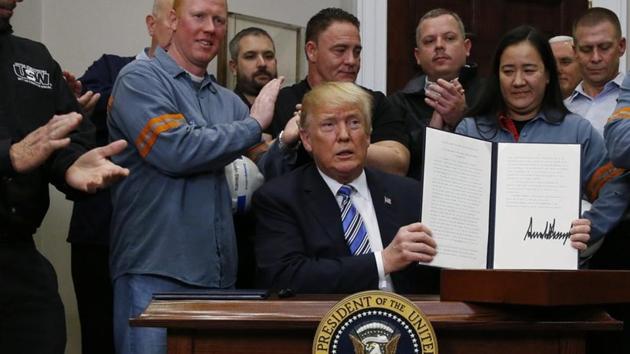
point(374, 338)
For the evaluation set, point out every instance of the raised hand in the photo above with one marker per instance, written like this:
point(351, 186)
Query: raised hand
point(448, 100)
point(291, 132)
point(93, 170)
point(263, 107)
point(88, 100)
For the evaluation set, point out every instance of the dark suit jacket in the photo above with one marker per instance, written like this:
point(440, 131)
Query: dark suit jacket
point(299, 237)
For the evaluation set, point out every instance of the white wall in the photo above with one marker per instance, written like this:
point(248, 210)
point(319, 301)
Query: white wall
point(619, 7)
point(373, 72)
point(27, 20)
point(78, 32)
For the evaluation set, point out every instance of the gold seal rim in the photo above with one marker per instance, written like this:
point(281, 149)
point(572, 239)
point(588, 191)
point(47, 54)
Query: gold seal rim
point(372, 294)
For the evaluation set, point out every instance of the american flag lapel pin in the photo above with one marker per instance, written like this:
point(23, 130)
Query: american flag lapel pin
point(388, 200)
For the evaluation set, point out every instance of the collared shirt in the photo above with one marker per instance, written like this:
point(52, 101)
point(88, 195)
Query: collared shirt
point(173, 216)
point(596, 109)
point(362, 201)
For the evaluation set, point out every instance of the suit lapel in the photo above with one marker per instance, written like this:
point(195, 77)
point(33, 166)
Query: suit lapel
point(324, 208)
point(383, 207)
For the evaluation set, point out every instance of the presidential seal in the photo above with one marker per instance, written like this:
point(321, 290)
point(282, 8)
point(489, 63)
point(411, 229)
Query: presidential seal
point(375, 322)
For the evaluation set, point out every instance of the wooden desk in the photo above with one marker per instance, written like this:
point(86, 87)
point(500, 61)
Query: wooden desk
point(287, 326)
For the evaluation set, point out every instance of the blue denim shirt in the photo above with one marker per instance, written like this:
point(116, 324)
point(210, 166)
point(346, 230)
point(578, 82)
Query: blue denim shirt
point(613, 197)
point(617, 131)
point(172, 216)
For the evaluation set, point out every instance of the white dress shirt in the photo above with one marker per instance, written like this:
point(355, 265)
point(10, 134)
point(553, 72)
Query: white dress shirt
point(596, 109)
point(362, 201)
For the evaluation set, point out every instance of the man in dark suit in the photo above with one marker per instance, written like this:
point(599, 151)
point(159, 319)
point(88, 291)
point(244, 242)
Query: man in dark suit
point(334, 226)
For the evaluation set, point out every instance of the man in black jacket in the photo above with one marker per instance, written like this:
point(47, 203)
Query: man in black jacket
point(42, 140)
point(438, 97)
point(333, 51)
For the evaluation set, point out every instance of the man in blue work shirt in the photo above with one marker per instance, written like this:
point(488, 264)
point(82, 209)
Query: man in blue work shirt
point(171, 225)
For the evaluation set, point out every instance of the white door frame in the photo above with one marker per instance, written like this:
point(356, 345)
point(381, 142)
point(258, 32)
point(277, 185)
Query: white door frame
point(373, 17)
point(619, 7)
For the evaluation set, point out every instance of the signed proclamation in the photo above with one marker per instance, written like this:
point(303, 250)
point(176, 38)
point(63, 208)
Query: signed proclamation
point(537, 197)
point(500, 205)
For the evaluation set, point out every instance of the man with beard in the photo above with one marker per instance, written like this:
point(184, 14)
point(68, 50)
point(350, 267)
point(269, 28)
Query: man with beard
point(253, 62)
point(42, 140)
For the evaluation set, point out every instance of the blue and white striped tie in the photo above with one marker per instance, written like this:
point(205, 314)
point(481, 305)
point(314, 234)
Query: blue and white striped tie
point(353, 227)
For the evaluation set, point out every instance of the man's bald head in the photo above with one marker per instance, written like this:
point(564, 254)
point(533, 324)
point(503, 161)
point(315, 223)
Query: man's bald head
point(158, 25)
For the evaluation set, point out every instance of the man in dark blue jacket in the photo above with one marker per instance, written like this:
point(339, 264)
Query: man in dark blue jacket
point(91, 216)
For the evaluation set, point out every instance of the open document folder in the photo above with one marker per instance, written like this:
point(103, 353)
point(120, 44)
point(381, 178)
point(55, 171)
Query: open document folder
point(500, 205)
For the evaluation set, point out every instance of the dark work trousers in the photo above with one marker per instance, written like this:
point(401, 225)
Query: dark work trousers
point(245, 229)
point(94, 292)
point(31, 312)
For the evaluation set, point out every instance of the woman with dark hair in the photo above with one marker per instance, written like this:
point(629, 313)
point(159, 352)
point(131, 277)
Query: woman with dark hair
point(522, 103)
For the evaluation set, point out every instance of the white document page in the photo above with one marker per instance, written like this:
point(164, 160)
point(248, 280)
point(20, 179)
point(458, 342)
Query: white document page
point(456, 198)
point(537, 197)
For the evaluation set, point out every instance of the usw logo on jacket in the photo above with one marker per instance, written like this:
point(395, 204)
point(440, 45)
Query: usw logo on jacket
point(28, 74)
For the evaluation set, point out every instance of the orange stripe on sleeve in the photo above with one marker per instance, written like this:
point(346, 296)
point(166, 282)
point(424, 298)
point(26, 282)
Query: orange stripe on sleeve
point(601, 176)
point(149, 134)
point(622, 113)
point(110, 103)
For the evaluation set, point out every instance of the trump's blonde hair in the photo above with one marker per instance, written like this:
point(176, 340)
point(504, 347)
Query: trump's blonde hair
point(335, 95)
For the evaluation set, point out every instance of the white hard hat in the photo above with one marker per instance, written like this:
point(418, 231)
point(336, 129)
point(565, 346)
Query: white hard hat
point(243, 178)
